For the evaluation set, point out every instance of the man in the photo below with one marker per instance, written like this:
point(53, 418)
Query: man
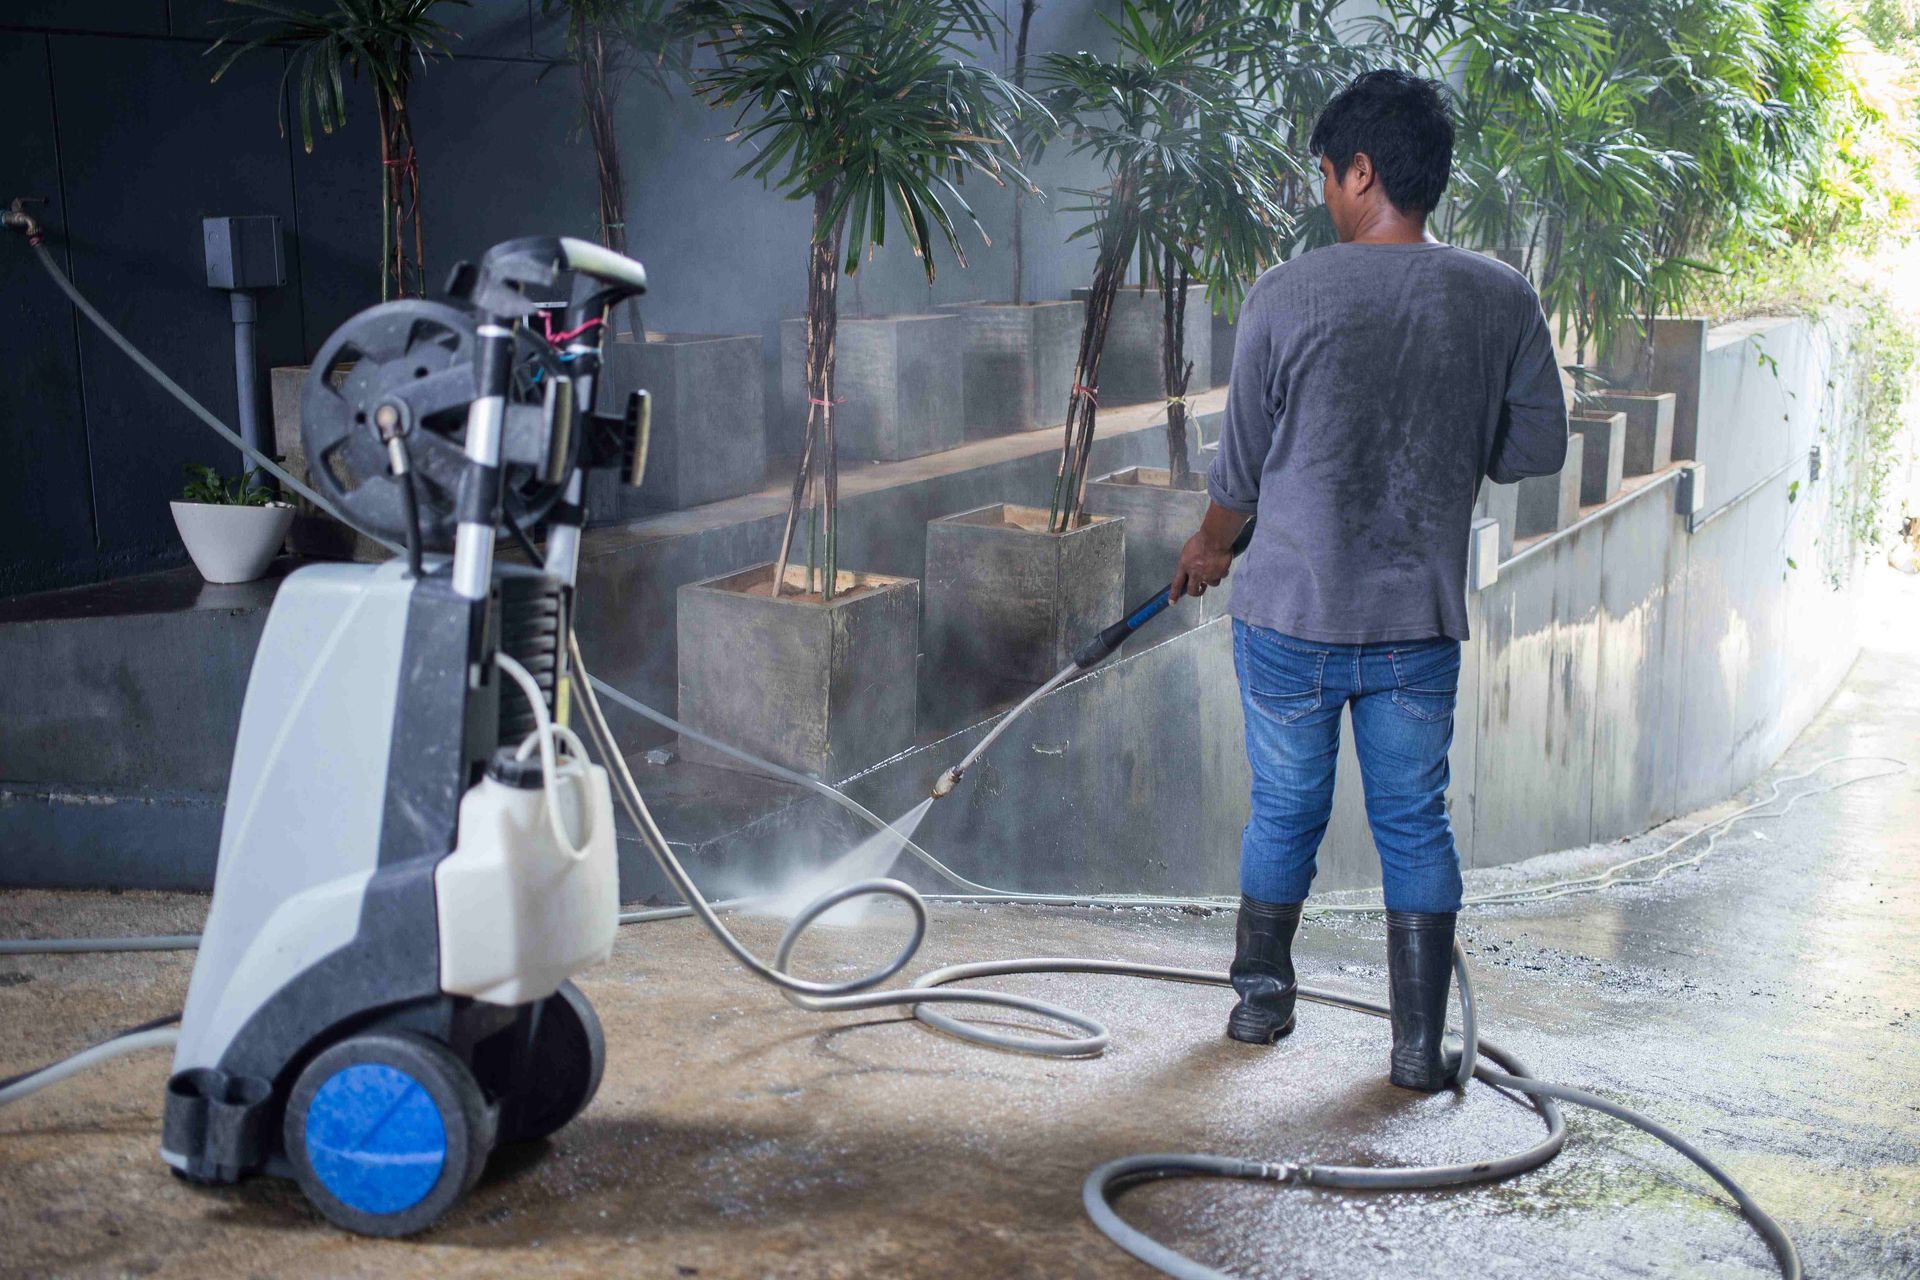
point(1375, 383)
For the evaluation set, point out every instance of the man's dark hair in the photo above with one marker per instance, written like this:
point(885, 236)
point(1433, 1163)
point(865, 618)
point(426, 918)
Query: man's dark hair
point(1402, 124)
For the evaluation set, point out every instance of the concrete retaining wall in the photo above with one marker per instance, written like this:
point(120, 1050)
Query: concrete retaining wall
point(1631, 667)
point(1623, 671)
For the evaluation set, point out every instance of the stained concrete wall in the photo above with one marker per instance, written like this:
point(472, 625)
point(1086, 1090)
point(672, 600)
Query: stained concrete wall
point(116, 738)
point(1631, 668)
point(1627, 669)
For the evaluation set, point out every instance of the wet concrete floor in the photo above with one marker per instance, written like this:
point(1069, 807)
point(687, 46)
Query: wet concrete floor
point(1763, 1003)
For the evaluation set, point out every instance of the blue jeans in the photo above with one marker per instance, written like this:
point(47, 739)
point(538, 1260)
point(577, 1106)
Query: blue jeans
point(1402, 695)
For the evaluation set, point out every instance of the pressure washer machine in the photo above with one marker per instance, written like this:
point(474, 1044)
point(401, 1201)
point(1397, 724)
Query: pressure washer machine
point(416, 854)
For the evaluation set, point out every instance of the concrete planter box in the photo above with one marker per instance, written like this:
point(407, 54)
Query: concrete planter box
point(1130, 364)
point(898, 380)
point(1159, 519)
point(709, 431)
point(1603, 441)
point(1547, 504)
point(1679, 362)
point(1649, 428)
point(1017, 364)
point(1009, 602)
point(827, 689)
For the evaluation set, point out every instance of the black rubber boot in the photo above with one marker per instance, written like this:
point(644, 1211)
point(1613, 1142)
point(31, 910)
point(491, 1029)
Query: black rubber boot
point(1419, 970)
point(1263, 971)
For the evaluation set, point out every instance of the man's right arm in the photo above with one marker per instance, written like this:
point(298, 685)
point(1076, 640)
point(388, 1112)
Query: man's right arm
point(1532, 437)
point(1246, 428)
point(1246, 437)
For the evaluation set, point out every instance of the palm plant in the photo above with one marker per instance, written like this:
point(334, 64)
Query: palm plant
point(1737, 86)
point(1551, 156)
point(1296, 54)
point(1139, 114)
point(1212, 192)
point(607, 41)
point(868, 109)
point(387, 41)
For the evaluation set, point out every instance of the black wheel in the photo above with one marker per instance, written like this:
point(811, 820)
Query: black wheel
point(385, 1131)
point(564, 1066)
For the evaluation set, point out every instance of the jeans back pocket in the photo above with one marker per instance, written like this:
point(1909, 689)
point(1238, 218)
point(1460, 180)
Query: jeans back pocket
point(1426, 678)
point(1282, 681)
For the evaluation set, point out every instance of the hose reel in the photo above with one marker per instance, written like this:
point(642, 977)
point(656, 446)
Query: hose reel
point(405, 372)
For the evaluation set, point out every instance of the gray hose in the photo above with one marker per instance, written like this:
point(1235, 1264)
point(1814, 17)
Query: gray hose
point(175, 390)
point(1778, 1241)
point(813, 996)
point(88, 946)
point(157, 1038)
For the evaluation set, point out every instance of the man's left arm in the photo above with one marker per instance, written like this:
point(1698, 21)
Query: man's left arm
point(1532, 437)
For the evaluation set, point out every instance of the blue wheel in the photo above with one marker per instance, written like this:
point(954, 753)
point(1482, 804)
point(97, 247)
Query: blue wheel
point(385, 1131)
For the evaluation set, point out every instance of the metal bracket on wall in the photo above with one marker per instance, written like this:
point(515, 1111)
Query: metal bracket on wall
point(1690, 494)
point(1483, 554)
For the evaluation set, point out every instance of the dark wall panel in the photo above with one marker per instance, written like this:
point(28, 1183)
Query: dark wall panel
point(502, 157)
point(155, 148)
point(109, 17)
point(45, 488)
point(491, 28)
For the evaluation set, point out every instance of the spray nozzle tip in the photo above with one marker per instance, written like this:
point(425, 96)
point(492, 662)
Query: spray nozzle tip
point(948, 780)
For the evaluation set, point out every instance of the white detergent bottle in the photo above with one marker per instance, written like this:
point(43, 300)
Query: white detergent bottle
point(519, 911)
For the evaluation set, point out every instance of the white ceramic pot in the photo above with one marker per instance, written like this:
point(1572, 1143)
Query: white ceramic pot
point(232, 544)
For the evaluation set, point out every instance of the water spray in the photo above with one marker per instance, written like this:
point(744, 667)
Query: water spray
point(1091, 654)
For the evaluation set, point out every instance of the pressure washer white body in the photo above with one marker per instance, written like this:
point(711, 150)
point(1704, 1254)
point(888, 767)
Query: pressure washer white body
point(415, 856)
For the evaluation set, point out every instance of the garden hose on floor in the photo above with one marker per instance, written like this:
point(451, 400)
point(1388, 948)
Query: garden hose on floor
point(930, 989)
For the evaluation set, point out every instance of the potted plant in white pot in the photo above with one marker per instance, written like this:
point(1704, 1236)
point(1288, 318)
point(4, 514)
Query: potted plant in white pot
point(869, 112)
point(231, 528)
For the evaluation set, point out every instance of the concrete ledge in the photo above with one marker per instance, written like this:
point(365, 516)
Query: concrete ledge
point(628, 575)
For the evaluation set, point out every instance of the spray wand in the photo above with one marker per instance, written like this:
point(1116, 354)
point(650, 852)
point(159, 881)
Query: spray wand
point(1091, 654)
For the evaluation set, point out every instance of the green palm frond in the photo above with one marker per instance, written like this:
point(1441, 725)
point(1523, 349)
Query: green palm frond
point(382, 40)
point(871, 102)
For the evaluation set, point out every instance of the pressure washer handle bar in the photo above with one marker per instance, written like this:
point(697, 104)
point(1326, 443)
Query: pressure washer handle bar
point(1101, 647)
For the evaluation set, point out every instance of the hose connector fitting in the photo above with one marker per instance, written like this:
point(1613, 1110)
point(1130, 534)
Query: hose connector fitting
point(16, 218)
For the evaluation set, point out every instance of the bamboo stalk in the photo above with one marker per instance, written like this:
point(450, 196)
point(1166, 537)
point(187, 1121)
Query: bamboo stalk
point(816, 485)
point(1176, 369)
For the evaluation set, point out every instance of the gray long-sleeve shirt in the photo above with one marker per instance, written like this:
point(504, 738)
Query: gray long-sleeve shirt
point(1373, 386)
